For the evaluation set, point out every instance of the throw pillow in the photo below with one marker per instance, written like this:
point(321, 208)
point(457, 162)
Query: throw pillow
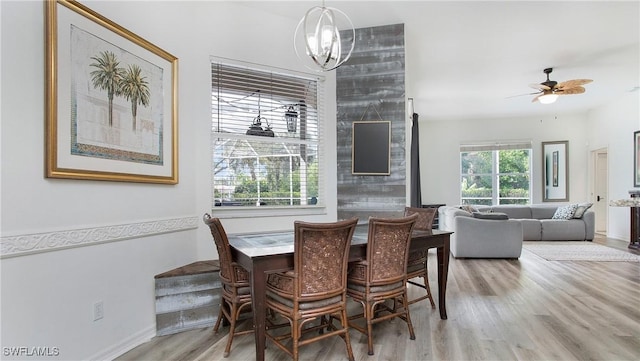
point(565, 212)
point(490, 215)
point(582, 207)
point(469, 208)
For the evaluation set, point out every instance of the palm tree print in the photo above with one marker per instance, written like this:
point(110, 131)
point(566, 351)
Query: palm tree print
point(135, 88)
point(107, 77)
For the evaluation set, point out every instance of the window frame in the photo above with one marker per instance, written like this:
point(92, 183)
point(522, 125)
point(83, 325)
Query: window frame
point(270, 210)
point(495, 149)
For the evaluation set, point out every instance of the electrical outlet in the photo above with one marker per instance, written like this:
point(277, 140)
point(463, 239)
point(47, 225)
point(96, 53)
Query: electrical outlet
point(98, 311)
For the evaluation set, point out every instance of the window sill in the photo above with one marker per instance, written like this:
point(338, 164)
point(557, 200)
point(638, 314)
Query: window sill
point(266, 211)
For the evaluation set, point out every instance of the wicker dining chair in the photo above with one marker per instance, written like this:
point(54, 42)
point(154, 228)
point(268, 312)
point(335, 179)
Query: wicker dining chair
point(417, 264)
point(382, 276)
point(315, 289)
point(236, 291)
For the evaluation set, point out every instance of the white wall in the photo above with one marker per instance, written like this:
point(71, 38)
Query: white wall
point(440, 151)
point(612, 127)
point(47, 298)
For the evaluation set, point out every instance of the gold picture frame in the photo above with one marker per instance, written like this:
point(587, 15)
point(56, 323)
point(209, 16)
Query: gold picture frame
point(111, 100)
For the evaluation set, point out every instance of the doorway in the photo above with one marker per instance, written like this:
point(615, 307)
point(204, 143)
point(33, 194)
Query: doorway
point(600, 189)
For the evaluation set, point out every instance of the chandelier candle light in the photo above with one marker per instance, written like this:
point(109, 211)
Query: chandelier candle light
point(318, 33)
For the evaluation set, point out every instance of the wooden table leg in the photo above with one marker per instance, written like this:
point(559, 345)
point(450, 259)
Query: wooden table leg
point(443, 272)
point(258, 299)
point(634, 236)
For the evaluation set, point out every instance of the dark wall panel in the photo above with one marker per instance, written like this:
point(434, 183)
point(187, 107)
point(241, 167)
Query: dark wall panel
point(370, 86)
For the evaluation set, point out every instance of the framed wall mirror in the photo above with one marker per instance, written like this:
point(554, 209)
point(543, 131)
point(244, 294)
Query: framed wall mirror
point(636, 159)
point(555, 171)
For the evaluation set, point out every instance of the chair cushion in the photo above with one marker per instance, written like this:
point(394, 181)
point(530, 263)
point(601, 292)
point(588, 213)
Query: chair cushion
point(416, 270)
point(385, 288)
point(246, 290)
point(418, 256)
point(416, 267)
point(304, 305)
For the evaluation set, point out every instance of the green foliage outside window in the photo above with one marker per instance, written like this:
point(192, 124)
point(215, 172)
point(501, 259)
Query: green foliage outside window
point(506, 170)
point(279, 186)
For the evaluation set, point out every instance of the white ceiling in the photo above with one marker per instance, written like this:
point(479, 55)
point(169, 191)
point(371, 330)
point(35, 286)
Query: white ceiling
point(467, 57)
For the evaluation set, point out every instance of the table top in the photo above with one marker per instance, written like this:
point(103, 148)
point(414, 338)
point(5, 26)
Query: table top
point(281, 242)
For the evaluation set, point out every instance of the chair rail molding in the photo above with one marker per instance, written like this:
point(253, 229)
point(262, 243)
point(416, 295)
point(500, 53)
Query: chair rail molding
point(25, 244)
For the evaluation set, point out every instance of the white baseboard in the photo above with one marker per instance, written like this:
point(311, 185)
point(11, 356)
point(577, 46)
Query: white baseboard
point(126, 345)
point(618, 237)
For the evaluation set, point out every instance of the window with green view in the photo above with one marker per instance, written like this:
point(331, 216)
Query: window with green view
point(495, 174)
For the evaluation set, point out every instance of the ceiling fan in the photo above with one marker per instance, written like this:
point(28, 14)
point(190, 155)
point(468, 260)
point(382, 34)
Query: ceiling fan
point(549, 90)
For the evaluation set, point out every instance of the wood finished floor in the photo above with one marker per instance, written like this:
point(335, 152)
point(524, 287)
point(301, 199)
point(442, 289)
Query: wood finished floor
point(526, 309)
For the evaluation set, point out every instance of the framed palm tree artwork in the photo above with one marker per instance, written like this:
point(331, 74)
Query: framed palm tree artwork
point(111, 100)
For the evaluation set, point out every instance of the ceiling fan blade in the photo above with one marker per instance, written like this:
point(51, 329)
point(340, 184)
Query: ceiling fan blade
point(573, 83)
point(573, 90)
point(520, 95)
point(539, 86)
point(535, 99)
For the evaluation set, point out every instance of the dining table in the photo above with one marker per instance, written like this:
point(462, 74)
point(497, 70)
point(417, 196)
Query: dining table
point(262, 253)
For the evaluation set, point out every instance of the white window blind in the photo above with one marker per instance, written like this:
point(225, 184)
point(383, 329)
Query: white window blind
point(495, 146)
point(265, 137)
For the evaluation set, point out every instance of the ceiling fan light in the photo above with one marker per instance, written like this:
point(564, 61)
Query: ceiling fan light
point(548, 98)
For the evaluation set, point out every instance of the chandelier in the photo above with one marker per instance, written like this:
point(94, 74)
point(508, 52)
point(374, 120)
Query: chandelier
point(318, 34)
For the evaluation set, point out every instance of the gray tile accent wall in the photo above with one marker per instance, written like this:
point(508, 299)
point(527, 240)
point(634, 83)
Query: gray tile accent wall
point(373, 78)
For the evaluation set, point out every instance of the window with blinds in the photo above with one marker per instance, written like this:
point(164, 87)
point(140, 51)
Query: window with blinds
point(265, 137)
point(496, 173)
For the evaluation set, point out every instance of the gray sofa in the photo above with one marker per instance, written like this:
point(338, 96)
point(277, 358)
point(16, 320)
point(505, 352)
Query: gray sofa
point(502, 238)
